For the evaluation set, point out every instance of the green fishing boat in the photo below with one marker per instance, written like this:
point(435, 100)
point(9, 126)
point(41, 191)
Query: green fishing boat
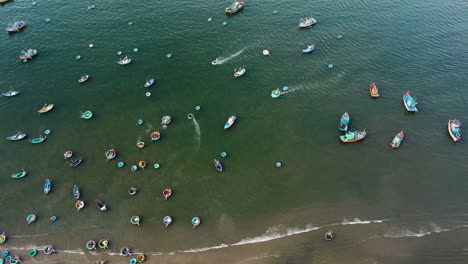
point(37, 140)
point(19, 175)
point(32, 252)
point(87, 115)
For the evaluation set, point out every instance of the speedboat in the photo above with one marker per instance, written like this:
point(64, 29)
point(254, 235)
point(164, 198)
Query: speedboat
point(239, 72)
point(124, 61)
point(17, 26)
point(28, 54)
point(353, 136)
point(309, 49)
point(454, 129)
point(216, 62)
point(307, 22)
point(234, 7)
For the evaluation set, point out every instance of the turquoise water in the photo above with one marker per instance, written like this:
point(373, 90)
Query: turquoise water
point(385, 206)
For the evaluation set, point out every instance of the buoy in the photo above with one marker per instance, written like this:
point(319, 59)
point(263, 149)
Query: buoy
point(278, 164)
point(140, 121)
point(47, 20)
point(130, 23)
point(47, 132)
point(285, 88)
point(168, 55)
point(119, 52)
point(78, 57)
point(90, 45)
point(25, 60)
point(197, 108)
point(148, 94)
point(339, 36)
point(156, 165)
point(209, 19)
point(224, 23)
point(275, 12)
point(135, 50)
point(330, 66)
point(120, 164)
point(223, 154)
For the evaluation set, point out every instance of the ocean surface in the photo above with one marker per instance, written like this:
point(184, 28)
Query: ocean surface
point(384, 206)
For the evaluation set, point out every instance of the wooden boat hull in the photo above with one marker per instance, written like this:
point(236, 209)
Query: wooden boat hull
point(110, 154)
point(373, 90)
point(104, 244)
point(309, 49)
point(275, 93)
point(46, 108)
point(165, 120)
point(454, 124)
point(87, 115)
point(232, 10)
point(167, 220)
point(360, 136)
point(31, 218)
point(79, 205)
point(37, 140)
point(76, 162)
point(196, 222)
point(155, 135)
point(167, 193)
point(135, 220)
point(91, 245)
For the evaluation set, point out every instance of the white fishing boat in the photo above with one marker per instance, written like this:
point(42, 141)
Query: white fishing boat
point(239, 72)
point(307, 22)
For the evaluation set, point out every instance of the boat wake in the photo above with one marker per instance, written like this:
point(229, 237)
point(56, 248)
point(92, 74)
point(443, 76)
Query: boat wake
point(204, 249)
point(197, 132)
point(222, 60)
point(421, 231)
point(37, 235)
point(357, 221)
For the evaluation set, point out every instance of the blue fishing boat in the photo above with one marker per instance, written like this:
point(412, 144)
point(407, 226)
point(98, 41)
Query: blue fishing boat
point(37, 140)
point(17, 26)
point(409, 102)
point(397, 139)
point(309, 49)
point(47, 186)
point(353, 136)
point(454, 129)
point(230, 122)
point(344, 122)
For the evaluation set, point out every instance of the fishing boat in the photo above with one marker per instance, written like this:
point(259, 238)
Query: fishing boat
point(132, 190)
point(276, 93)
point(195, 222)
point(17, 136)
point(49, 250)
point(409, 102)
point(133, 261)
point(142, 164)
point(47, 186)
point(218, 165)
point(266, 52)
point(101, 262)
point(234, 7)
point(216, 62)
point(31, 218)
point(124, 61)
point(3, 238)
point(10, 93)
point(17, 26)
point(140, 258)
point(32, 252)
point(135, 220)
point(353, 136)
point(149, 82)
point(86, 115)
point(91, 245)
point(110, 154)
point(103, 243)
point(155, 135)
point(167, 220)
point(307, 22)
point(3, 1)
point(134, 168)
point(46, 108)
point(397, 139)
point(328, 235)
point(344, 122)
point(101, 206)
point(165, 120)
point(140, 144)
point(167, 193)
point(28, 54)
point(373, 90)
point(239, 72)
point(53, 218)
point(83, 78)
point(79, 205)
point(309, 49)
point(230, 122)
point(67, 154)
point(190, 116)
point(125, 252)
point(37, 140)
point(454, 129)
point(75, 163)
point(19, 175)
point(76, 192)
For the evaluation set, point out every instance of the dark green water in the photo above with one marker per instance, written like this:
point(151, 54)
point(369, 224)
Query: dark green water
point(385, 206)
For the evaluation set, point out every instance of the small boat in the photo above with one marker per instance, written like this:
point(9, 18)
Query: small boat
point(276, 93)
point(91, 245)
point(102, 206)
point(28, 54)
point(47, 186)
point(53, 219)
point(328, 235)
point(239, 72)
point(125, 252)
point(15, 259)
point(132, 190)
point(83, 78)
point(167, 193)
point(135, 220)
point(307, 22)
point(155, 135)
point(76, 192)
point(49, 250)
point(218, 165)
point(3, 238)
point(266, 52)
point(196, 222)
point(142, 164)
point(409, 102)
point(79, 205)
point(344, 122)
point(86, 115)
point(67, 154)
point(373, 90)
point(140, 144)
point(124, 61)
point(31, 218)
point(46, 108)
point(76, 162)
point(454, 129)
point(216, 62)
point(32, 252)
point(37, 140)
point(110, 154)
point(230, 122)
point(166, 120)
point(234, 7)
point(190, 116)
point(140, 258)
point(167, 220)
point(149, 83)
point(353, 136)
point(19, 175)
point(134, 168)
point(133, 261)
point(17, 136)
point(3, 1)
point(10, 93)
point(101, 262)
point(103, 243)
point(17, 26)
point(309, 49)
point(397, 140)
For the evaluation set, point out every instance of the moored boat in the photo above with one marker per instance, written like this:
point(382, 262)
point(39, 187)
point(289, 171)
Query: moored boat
point(101, 206)
point(373, 90)
point(3, 1)
point(196, 222)
point(328, 236)
point(234, 7)
point(218, 165)
point(309, 49)
point(165, 120)
point(3, 238)
point(397, 139)
point(132, 190)
point(86, 115)
point(103, 243)
point(239, 72)
point(409, 102)
point(454, 129)
point(28, 54)
point(32, 252)
point(79, 205)
point(46, 108)
point(125, 252)
point(76, 192)
point(167, 193)
point(135, 220)
point(17, 136)
point(75, 163)
point(17, 26)
point(142, 164)
point(19, 175)
point(47, 186)
point(49, 250)
point(110, 154)
point(140, 258)
point(230, 122)
point(149, 82)
point(307, 22)
point(140, 144)
point(344, 122)
point(167, 220)
point(83, 78)
point(276, 93)
point(37, 140)
point(10, 93)
point(31, 218)
point(67, 154)
point(155, 135)
point(124, 61)
point(91, 245)
point(353, 136)
point(266, 52)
